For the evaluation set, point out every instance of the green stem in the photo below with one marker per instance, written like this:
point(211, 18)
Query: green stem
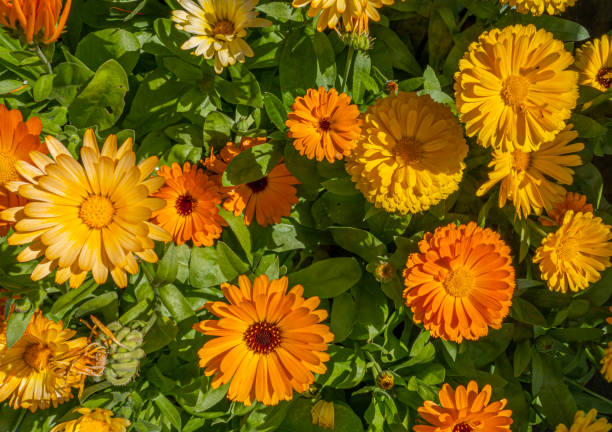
point(591, 392)
point(20, 420)
point(375, 365)
point(349, 61)
point(43, 59)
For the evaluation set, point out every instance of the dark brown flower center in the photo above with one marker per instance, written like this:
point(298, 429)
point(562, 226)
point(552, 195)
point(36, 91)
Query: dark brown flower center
point(604, 77)
point(224, 28)
point(262, 337)
point(185, 204)
point(37, 356)
point(462, 427)
point(324, 124)
point(258, 185)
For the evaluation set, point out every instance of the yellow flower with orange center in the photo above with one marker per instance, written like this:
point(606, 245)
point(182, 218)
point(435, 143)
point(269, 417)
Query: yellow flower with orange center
point(586, 423)
point(17, 140)
point(218, 29)
point(538, 7)
point(45, 364)
point(324, 125)
point(574, 256)
point(465, 410)
point(89, 217)
point(38, 20)
point(266, 343)
point(531, 179)
point(514, 88)
point(572, 201)
point(460, 282)
point(410, 154)
point(96, 420)
point(265, 200)
point(594, 62)
point(191, 211)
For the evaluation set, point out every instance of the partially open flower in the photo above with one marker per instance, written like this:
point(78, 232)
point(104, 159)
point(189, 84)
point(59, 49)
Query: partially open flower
point(38, 20)
point(323, 414)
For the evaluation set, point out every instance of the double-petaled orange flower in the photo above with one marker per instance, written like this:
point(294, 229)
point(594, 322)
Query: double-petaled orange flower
point(39, 20)
point(572, 201)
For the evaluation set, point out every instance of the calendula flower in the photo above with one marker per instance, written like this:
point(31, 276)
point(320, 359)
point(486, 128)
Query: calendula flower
point(191, 211)
point(606, 363)
point(17, 140)
point(514, 89)
point(358, 13)
point(324, 125)
point(538, 7)
point(586, 423)
point(594, 62)
point(323, 414)
point(89, 217)
point(410, 154)
point(575, 254)
point(331, 10)
point(45, 364)
point(531, 179)
point(267, 199)
point(267, 341)
point(572, 201)
point(96, 420)
point(385, 380)
point(38, 20)
point(460, 282)
point(218, 28)
point(465, 410)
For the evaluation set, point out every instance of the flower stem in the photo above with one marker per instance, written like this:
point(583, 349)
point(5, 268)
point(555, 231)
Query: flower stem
point(591, 392)
point(19, 420)
point(349, 61)
point(43, 59)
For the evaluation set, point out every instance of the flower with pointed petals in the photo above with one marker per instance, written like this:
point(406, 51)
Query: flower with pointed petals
point(38, 20)
point(96, 420)
point(572, 201)
point(594, 62)
point(538, 7)
point(586, 423)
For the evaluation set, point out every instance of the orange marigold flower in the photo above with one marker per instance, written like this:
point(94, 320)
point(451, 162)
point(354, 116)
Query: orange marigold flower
point(39, 20)
point(572, 201)
point(17, 140)
point(465, 410)
point(267, 199)
point(96, 420)
point(49, 363)
point(324, 125)
point(461, 283)
point(267, 342)
point(191, 211)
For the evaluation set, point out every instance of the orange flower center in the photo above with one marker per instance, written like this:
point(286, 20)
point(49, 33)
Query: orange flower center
point(7, 168)
point(407, 150)
point(604, 77)
point(93, 425)
point(459, 282)
point(258, 185)
point(324, 124)
point(262, 337)
point(97, 212)
point(462, 427)
point(185, 204)
point(514, 90)
point(520, 160)
point(569, 249)
point(223, 28)
point(37, 356)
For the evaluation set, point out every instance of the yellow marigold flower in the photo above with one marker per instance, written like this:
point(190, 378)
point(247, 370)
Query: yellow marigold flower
point(96, 420)
point(17, 140)
point(39, 20)
point(465, 410)
point(586, 423)
point(538, 7)
point(526, 176)
point(89, 217)
point(267, 341)
point(574, 255)
point(594, 62)
point(191, 211)
point(218, 28)
point(448, 280)
point(514, 89)
point(45, 364)
point(606, 363)
point(323, 414)
point(572, 201)
point(410, 154)
point(324, 125)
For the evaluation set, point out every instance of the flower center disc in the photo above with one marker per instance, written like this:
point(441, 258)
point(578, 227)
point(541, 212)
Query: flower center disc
point(7, 168)
point(407, 150)
point(97, 212)
point(223, 28)
point(185, 204)
point(462, 427)
point(37, 356)
point(604, 77)
point(521, 160)
point(324, 124)
point(514, 90)
point(568, 250)
point(459, 282)
point(258, 185)
point(262, 337)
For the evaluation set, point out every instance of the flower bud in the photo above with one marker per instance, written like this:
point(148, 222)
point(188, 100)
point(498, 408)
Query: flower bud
point(323, 414)
point(385, 380)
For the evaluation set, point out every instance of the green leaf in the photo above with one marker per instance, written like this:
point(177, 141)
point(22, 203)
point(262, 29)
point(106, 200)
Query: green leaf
point(558, 405)
point(267, 419)
point(563, 29)
point(342, 316)
point(112, 43)
point(242, 90)
point(587, 127)
point(280, 11)
point(362, 66)
point(341, 186)
point(346, 368)
point(522, 357)
point(175, 302)
point(67, 301)
point(163, 331)
point(297, 68)
point(488, 348)
point(326, 60)
point(101, 101)
point(96, 303)
point(17, 324)
point(275, 110)
point(241, 231)
point(229, 262)
point(400, 55)
point(327, 278)
point(251, 164)
point(526, 312)
point(43, 87)
point(358, 241)
point(204, 269)
point(167, 268)
point(576, 334)
point(217, 129)
point(168, 410)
